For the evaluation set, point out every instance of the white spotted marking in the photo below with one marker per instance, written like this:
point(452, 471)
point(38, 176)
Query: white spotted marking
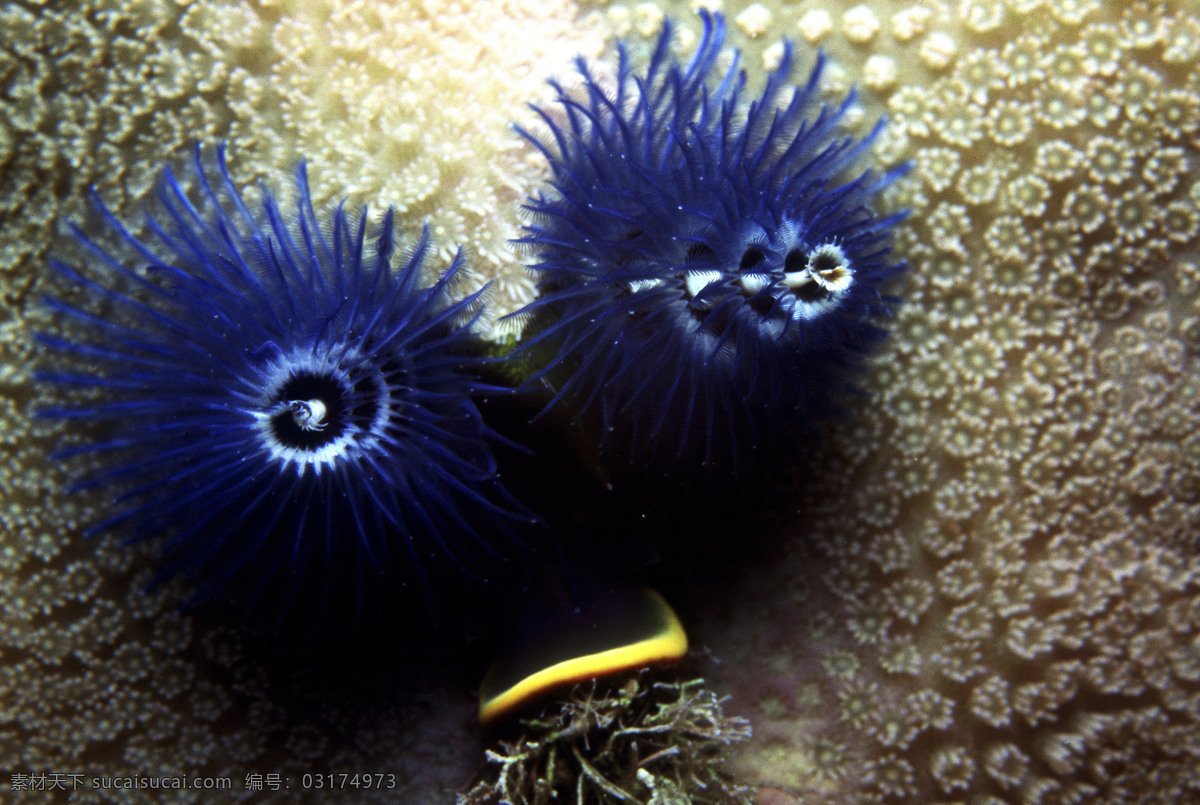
point(637, 286)
point(797, 279)
point(697, 281)
point(753, 283)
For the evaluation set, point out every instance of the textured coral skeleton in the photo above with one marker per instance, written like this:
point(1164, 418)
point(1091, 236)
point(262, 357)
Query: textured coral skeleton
point(993, 590)
point(646, 740)
point(102, 92)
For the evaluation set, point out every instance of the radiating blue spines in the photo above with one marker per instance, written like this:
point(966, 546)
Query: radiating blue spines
point(274, 396)
point(708, 264)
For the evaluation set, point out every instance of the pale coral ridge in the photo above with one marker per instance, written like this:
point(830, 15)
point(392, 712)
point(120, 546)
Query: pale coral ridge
point(403, 104)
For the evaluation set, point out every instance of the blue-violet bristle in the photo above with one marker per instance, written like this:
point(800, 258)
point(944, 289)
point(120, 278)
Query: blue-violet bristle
point(708, 265)
point(273, 396)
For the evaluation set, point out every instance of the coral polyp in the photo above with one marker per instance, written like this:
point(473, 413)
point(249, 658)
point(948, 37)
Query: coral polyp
point(273, 395)
point(709, 264)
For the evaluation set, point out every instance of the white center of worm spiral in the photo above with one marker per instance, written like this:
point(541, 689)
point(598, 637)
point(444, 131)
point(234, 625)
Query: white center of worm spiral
point(308, 414)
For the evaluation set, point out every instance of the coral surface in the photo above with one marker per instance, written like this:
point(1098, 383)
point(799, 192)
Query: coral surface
point(643, 740)
point(990, 592)
point(994, 593)
point(404, 104)
point(397, 103)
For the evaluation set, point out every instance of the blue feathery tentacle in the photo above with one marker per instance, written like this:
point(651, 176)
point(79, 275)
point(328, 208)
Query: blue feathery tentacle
point(275, 397)
point(709, 264)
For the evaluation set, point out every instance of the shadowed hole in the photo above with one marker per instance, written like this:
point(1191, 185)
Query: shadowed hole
point(811, 292)
point(699, 252)
point(751, 258)
point(305, 386)
point(796, 260)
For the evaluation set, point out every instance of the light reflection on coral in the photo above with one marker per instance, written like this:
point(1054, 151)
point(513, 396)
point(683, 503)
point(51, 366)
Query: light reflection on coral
point(993, 587)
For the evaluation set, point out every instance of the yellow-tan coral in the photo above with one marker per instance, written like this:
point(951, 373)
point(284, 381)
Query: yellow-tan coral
point(401, 104)
point(992, 595)
point(404, 104)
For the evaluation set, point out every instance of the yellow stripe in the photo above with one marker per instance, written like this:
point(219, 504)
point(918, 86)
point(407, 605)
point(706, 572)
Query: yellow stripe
point(670, 645)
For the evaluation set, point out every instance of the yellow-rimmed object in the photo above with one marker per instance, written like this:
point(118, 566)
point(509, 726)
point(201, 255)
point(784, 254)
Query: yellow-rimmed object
point(616, 633)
